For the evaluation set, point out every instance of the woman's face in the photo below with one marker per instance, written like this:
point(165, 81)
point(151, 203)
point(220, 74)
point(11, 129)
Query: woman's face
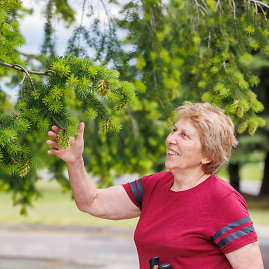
point(183, 147)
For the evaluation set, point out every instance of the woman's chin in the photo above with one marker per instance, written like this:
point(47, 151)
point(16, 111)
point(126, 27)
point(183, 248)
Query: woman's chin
point(168, 165)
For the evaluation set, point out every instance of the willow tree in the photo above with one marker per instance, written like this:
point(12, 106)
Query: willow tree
point(180, 50)
point(194, 50)
point(188, 50)
point(66, 85)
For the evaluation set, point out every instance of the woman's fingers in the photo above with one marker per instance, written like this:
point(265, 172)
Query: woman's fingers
point(54, 128)
point(80, 131)
point(53, 144)
point(52, 135)
point(74, 148)
point(53, 152)
point(81, 127)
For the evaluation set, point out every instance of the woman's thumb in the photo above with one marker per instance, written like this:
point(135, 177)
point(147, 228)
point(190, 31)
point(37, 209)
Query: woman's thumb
point(81, 130)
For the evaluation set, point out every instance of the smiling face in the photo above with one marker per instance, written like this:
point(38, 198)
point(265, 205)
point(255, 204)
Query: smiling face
point(184, 148)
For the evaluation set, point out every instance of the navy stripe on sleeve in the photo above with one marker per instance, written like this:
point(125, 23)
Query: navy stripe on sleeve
point(229, 227)
point(235, 235)
point(140, 190)
point(137, 190)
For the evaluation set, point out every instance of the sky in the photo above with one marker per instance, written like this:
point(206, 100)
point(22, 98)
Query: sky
point(32, 25)
point(32, 28)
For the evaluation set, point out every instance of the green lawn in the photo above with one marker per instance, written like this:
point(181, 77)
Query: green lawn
point(54, 208)
point(250, 171)
point(57, 208)
point(259, 210)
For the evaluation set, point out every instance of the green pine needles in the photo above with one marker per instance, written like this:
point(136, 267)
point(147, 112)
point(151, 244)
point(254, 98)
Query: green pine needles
point(73, 84)
point(201, 50)
point(10, 37)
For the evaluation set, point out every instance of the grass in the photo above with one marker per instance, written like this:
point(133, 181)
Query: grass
point(57, 208)
point(53, 208)
point(250, 171)
point(259, 209)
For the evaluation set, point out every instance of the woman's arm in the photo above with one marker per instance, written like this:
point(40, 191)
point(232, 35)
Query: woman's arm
point(247, 257)
point(110, 203)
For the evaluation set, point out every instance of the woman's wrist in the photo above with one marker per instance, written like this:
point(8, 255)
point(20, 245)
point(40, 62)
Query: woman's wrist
point(75, 163)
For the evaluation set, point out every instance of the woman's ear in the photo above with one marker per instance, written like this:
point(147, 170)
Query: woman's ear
point(206, 160)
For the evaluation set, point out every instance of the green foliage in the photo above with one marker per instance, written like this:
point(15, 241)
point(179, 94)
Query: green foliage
point(65, 11)
point(201, 51)
point(48, 46)
point(180, 50)
point(10, 37)
point(43, 104)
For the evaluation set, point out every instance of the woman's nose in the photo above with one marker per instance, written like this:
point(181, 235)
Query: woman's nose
point(171, 139)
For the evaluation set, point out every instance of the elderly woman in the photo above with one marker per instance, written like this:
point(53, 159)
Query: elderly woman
point(189, 217)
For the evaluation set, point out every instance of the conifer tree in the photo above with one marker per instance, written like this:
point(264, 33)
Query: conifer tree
point(68, 84)
point(198, 50)
point(191, 50)
point(201, 50)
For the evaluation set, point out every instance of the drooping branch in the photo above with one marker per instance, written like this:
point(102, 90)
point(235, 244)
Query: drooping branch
point(29, 56)
point(80, 26)
point(201, 8)
point(25, 73)
point(22, 69)
point(108, 17)
point(259, 3)
point(48, 46)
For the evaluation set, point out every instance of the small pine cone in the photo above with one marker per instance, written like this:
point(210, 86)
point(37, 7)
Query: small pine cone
point(104, 127)
point(102, 87)
point(25, 169)
point(63, 138)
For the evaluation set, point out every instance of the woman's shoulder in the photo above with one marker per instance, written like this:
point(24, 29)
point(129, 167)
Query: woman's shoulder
point(157, 178)
point(221, 189)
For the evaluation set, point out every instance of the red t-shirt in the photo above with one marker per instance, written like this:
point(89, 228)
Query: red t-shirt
point(193, 228)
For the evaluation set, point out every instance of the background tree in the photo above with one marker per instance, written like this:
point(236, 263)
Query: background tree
point(171, 52)
point(262, 69)
point(197, 51)
point(70, 84)
point(254, 149)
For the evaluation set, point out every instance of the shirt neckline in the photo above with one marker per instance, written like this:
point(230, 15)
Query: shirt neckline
point(197, 187)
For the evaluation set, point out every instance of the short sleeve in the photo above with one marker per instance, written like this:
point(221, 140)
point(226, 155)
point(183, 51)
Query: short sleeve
point(135, 192)
point(148, 183)
point(232, 227)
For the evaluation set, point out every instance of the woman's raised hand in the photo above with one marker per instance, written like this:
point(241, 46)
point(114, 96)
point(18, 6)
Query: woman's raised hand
point(75, 150)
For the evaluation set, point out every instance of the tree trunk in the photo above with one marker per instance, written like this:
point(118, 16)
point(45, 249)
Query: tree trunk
point(233, 169)
point(265, 181)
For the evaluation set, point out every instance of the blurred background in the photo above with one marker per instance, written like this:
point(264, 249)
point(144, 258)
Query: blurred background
point(172, 51)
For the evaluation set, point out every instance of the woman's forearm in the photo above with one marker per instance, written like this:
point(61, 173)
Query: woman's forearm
point(110, 203)
point(83, 188)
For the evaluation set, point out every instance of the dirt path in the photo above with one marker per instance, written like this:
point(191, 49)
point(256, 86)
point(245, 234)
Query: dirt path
point(61, 247)
point(43, 247)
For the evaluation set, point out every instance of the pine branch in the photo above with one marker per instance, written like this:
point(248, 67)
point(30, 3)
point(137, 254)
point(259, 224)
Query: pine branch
point(25, 73)
point(22, 69)
point(29, 56)
point(234, 9)
point(259, 3)
point(108, 17)
point(201, 8)
point(57, 122)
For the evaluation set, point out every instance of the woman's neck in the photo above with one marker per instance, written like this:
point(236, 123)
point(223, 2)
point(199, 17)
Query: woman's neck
point(186, 180)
